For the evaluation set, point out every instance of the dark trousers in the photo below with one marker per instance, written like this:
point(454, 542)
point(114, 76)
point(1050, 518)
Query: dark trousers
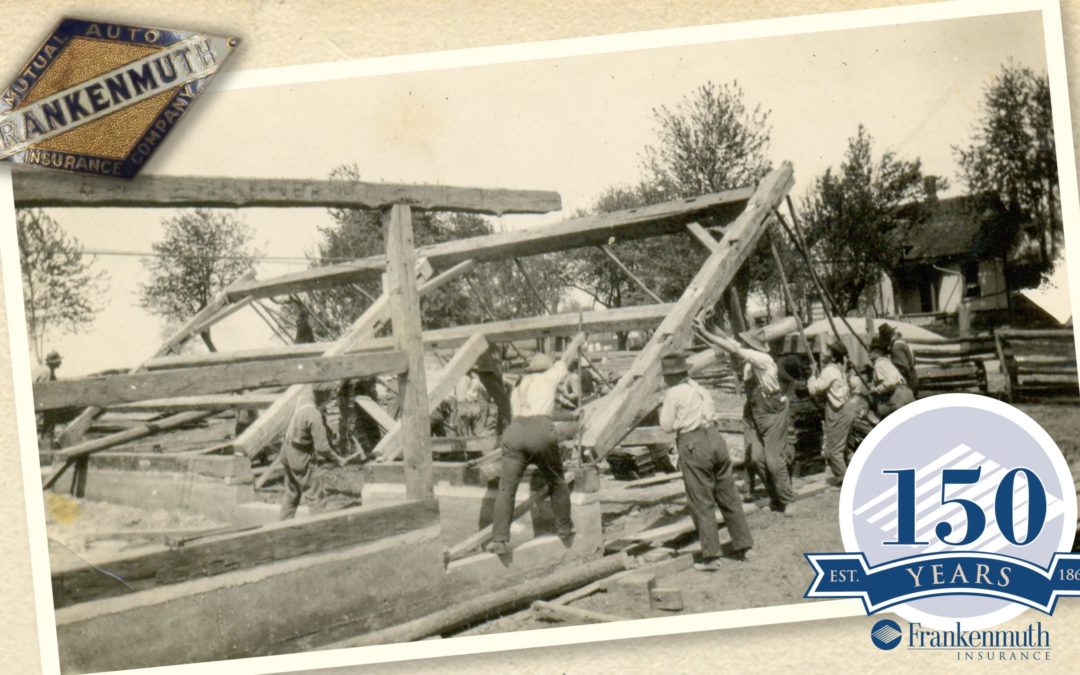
point(837, 428)
point(493, 384)
point(302, 483)
point(767, 430)
point(530, 440)
point(707, 474)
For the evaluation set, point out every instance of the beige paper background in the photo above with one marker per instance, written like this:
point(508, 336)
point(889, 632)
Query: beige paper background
point(282, 32)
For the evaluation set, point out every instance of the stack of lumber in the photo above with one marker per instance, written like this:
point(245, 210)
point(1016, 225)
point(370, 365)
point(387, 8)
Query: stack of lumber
point(635, 462)
point(1039, 364)
point(953, 365)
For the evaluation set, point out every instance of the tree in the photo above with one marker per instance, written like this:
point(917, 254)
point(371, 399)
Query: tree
point(59, 285)
point(857, 219)
point(202, 251)
point(708, 142)
point(1012, 153)
point(359, 234)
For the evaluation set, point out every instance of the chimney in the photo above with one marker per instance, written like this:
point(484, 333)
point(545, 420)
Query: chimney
point(930, 185)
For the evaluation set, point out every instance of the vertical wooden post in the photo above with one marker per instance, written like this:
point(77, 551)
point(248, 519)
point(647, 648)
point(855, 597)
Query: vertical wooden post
point(404, 300)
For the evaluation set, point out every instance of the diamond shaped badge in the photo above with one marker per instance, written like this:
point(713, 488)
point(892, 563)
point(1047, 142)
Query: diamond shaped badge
point(99, 98)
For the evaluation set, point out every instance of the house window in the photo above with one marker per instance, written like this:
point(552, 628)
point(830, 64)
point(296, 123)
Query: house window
point(970, 271)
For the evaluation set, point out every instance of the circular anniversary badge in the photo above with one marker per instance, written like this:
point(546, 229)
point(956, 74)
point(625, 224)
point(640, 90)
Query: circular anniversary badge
point(955, 509)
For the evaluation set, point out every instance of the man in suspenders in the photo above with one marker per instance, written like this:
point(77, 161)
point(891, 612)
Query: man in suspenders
point(766, 413)
point(688, 411)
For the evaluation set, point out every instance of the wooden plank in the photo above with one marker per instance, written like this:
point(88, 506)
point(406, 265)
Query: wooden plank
point(227, 553)
point(638, 317)
point(36, 190)
point(401, 289)
point(548, 610)
point(608, 421)
point(200, 321)
point(660, 569)
point(104, 391)
point(376, 413)
point(703, 236)
point(390, 446)
point(1058, 333)
point(273, 421)
point(649, 221)
point(209, 403)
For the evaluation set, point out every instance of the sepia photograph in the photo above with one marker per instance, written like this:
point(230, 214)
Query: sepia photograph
point(573, 339)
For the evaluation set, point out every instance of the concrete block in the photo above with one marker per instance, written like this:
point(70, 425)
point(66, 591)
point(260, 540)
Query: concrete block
point(637, 587)
point(152, 490)
point(669, 599)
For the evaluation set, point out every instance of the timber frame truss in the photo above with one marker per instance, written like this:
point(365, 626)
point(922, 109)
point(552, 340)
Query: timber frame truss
point(192, 387)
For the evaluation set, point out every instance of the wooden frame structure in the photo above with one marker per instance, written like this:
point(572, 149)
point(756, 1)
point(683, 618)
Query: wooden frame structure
point(741, 216)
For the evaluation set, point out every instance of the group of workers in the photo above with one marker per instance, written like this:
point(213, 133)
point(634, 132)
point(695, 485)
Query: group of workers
point(525, 423)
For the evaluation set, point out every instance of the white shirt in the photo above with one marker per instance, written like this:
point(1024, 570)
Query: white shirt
point(886, 374)
point(761, 366)
point(834, 383)
point(687, 406)
point(535, 393)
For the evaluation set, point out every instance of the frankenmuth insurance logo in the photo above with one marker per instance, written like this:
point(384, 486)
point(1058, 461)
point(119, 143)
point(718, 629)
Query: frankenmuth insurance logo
point(957, 513)
point(1030, 643)
point(99, 98)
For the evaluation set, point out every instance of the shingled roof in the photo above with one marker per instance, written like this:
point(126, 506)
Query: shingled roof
point(961, 227)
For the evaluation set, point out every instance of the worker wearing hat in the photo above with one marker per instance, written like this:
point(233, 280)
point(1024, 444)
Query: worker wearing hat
point(688, 412)
point(901, 355)
point(890, 390)
point(765, 413)
point(840, 408)
point(531, 439)
point(306, 441)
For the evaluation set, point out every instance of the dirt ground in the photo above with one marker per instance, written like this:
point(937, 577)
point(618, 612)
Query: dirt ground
point(84, 531)
point(779, 574)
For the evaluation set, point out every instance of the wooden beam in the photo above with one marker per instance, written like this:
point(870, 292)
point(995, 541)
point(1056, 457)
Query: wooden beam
point(199, 322)
point(104, 391)
point(36, 190)
point(613, 416)
point(228, 552)
point(649, 221)
point(491, 604)
point(376, 413)
point(703, 236)
point(209, 403)
point(391, 444)
point(556, 612)
point(638, 317)
point(273, 421)
point(626, 270)
point(401, 289)
point(69, 455)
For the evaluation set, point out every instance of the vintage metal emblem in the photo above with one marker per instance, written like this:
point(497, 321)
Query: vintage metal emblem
point(99, 98)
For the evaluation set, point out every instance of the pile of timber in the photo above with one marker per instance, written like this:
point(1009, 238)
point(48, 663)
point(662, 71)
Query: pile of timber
point(636, 462)
point(953, 365)
point(1040, 365)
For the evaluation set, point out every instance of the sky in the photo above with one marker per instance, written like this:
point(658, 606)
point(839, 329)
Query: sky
point(575, 125)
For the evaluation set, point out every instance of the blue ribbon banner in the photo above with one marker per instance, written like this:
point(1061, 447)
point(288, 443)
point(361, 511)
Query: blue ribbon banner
point(847, 575)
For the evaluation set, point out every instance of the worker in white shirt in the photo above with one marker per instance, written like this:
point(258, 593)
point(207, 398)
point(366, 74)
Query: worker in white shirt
point(890, 390)
point(531, 439)
point(765, 414)
point(688, 412)
point(840, 408)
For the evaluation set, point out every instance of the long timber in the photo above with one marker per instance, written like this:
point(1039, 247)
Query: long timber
point(104, 391)
point(650, 221)
point(638, 317)
point(36, 190)
point(615, 414)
